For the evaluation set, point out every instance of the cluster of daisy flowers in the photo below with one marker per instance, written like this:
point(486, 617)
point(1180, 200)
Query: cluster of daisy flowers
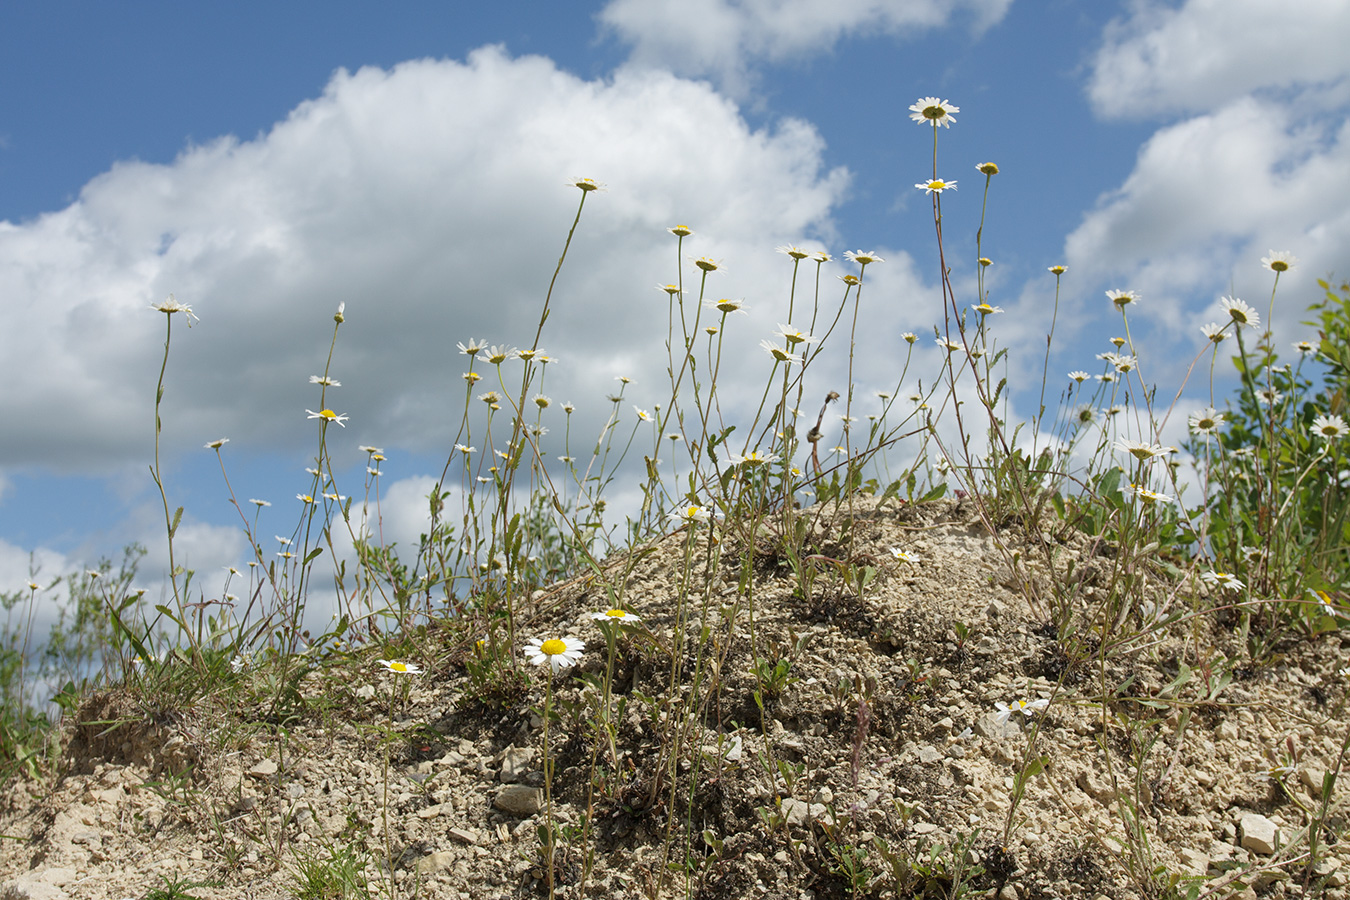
point(563, 653)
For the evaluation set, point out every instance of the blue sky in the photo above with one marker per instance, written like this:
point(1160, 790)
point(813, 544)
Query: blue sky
point(264, 162)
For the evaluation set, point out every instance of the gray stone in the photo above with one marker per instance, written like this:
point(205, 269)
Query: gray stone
point(795, 812)
point(929, 754)
point(265, 769)
point(464, 836)
point(1259, 834)
point(1195, 861)
point(519, 800)
point(30, 889)
point(435, 862)
point(516, 764)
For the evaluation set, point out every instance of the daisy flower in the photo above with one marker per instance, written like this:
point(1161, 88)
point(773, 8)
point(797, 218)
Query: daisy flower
point(216, 444)
point(260, 503)
point(171, 306)
point(1140, 450)
point(936, 186)
point(1269, 396)
point(586, 184)
point(692, 513)
point(707, 265)
point(324, 380)
point(864, 258)
point(491, 398)
point(1026, 707)
point(642, 414)
point(753, 458)
point(682, 231)
point(1224, 581)
point(821, 256)
point(1279, 261)
point(466, 450)
point(497, 355)
point(985, 309)
point(1206, 421)
point(367, 448)
point(616, 615)
point(794, 335)
point(904, 555)
point(1214, 332)
point(794, 252)
point(304, 498)
point(559, 653)
point(1125, 363)
point(472, 377)
point(777, 352)
point(1329, 428)
point(987, 168)
point(1148, 496)
point(473, 347)
point(541, 401)
point(1079, 376)
point(1123, 299)
point(1240, 312)
point(402, 668)
point(671, 289)
point(328, 416)
point(931, 109)
point(910, 337)
point(1305, 346)
point(949, 346)
point(726, 305)
point(1058, 270)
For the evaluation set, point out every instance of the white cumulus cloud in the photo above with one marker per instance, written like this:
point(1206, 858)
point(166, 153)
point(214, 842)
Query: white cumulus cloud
point(725, 38)
point(1162, 58)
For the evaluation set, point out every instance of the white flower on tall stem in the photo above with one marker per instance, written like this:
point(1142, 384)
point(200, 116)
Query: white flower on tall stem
point(497, 355)
point(473, 347)
point(1150, 497)
point(949, 346)
point(692, 513)
point(1140, 450)
point(586, 184)
point(324, 380)
point(1079, 376)
point(794, 336)
point(1279, 261)
point(616, 615)
point(779, 353)
point(642, 414)
point(171, 306)
point(216, 444)
point(1123, 299)
point(1329, 428)
point(909, 337)
point(399, 667)
point(865, 257)
point(985, 309)
point(1215, 332)
point(1240, 312)
point(558, 653)
point(936, 186)
point(727, 305)
point(1305, 347)
point(1269, 396)
point(931, 109)
point(1206, 421)
point(793, 251)
point(753, 458)
point(1224, 581)
point(328, 416)
point(1027, 708)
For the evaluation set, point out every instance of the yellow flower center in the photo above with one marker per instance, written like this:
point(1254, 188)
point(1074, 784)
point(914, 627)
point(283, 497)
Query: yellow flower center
point(933, 112)
point(936, 185)
point(616, 614)
point(328, 414)
point(554, 647)
point(398, 667)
